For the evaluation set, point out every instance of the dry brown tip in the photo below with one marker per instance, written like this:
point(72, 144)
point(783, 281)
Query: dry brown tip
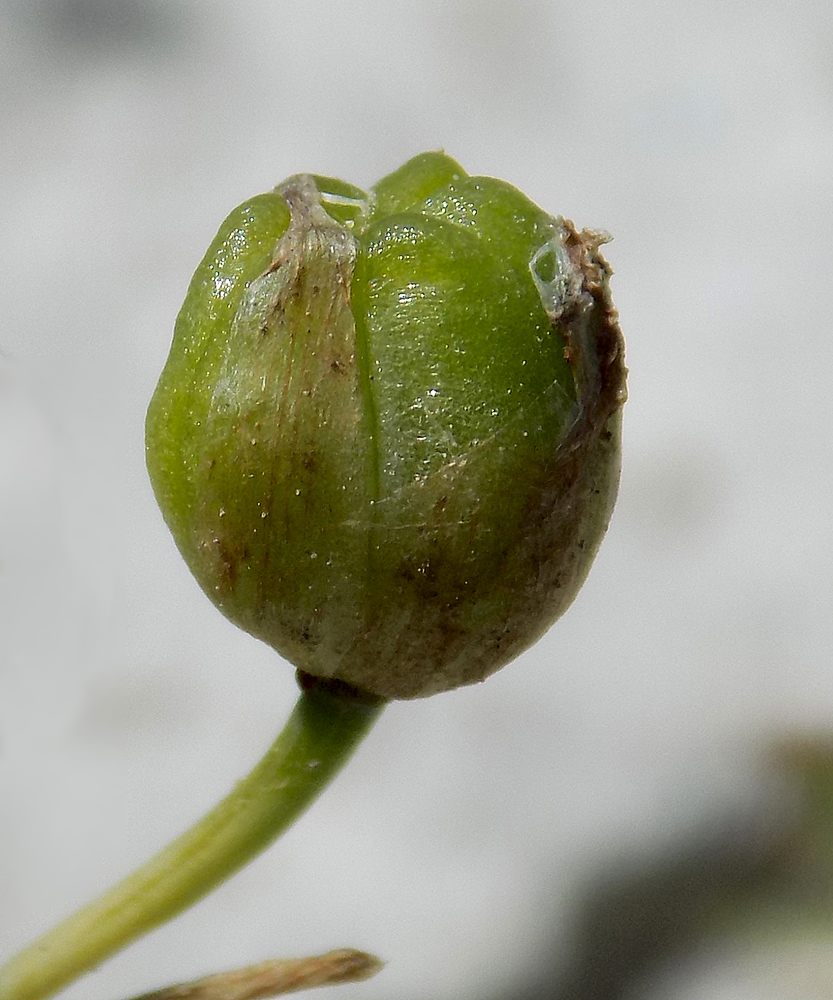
point(274, 978)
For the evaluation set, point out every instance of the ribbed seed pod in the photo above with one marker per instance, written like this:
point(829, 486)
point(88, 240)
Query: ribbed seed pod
point(387, 436)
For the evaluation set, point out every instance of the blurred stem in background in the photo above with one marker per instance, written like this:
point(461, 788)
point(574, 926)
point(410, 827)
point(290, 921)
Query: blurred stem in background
point(328, 722)
point(274, 978)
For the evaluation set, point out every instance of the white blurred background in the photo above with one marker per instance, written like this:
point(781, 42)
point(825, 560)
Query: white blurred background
point(460, 837)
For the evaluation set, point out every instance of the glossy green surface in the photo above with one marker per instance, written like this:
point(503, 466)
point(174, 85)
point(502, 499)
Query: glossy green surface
point(357, 438)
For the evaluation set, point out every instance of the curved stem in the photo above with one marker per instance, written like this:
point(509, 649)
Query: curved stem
point(327, 724)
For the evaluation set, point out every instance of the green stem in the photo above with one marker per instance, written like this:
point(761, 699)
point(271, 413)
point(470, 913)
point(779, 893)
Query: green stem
point(327, 724)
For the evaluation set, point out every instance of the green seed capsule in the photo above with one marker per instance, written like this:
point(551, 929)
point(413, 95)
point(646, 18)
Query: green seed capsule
point(387, 436)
